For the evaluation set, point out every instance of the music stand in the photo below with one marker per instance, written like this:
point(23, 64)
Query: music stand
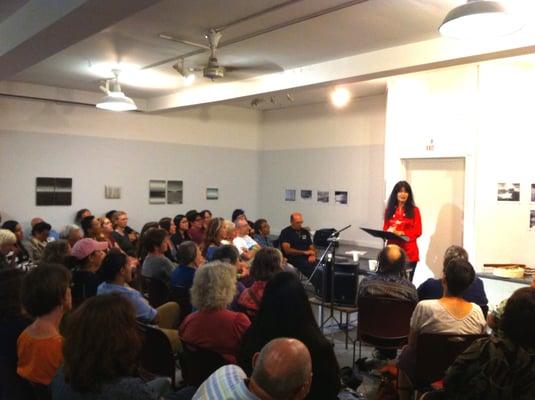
point(333, 238)
point(384, 235)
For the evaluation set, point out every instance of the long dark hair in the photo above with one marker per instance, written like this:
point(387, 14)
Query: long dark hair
point(284, 312)
point(101, 344)
point(393, 200)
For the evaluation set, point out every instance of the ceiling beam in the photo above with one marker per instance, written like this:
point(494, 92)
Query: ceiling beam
point(414, 57)
point(40, 28)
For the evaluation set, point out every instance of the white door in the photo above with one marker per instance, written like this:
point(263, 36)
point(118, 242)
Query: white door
point(438, 188)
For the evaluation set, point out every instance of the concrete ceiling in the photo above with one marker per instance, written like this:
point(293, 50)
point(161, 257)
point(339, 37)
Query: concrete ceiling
point(64, 51)
point(302, 96)
point(370, 25)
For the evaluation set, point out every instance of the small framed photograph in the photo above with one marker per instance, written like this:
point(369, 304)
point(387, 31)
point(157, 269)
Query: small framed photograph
point(340, 197)
point(306, 195)
point(157, 192)
point(532, 220)
point(290, 195)
point(212, 193)
point(323, 196)
point(533, 192)
point(112, 192)
point(508, 191)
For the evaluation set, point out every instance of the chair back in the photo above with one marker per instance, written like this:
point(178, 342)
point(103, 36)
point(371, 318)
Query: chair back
point(436, 352)
point(384, 322)
point(181, 295)
point(198, 364)
point(156, 290)
point(156, 354)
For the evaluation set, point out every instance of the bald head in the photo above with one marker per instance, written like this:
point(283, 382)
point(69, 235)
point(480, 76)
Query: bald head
point(392, 259)
point(296, 220)
point(283, 369)
point(35, 221)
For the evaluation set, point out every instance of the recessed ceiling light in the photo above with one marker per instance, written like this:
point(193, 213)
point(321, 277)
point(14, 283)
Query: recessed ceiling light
point(340, 97)
point(480, 19)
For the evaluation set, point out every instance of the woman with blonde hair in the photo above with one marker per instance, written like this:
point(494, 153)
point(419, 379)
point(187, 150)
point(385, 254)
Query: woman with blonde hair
point(212, 326)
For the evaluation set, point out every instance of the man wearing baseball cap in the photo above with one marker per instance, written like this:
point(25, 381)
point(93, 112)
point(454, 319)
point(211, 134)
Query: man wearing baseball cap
point(87, 255)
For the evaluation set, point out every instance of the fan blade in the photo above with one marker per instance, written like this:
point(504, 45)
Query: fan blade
point(172, 38)
point(253, 69)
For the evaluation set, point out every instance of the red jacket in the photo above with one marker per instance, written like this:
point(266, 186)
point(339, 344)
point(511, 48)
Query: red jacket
point(411, 227)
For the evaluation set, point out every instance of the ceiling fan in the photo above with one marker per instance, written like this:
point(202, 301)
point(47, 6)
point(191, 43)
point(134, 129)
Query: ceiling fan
point(212, 69)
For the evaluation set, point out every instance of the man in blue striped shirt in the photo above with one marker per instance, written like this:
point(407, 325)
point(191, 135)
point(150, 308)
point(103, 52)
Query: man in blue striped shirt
point(282, 370)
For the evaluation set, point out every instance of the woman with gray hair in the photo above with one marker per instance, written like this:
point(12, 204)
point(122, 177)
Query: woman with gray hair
point(7, 245)
point(432, 288)
point(71, 233)
point(212, 326)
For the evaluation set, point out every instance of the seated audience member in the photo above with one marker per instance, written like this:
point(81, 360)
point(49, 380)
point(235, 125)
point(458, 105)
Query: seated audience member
point(239, 214)
point(120, 235)
point(71, 233)
point(245, 244)
point(85, 261)
point(196, 229)
point(286, 312)
point(206, 218)
point(80, 215)
point(499, 367)
point(101, 350)
point(390, 280)
point(494, 318)
point(156, 265)
point(190, 258)
point(262, 230)
point(91, 227)
point(46, 296)
point(38, 240)
point(229, 254)
point(181, 234)
point(8, 240)
point(116, 272)
point(142, 249)
point(282, 370)
point(52, 234)
point(267, 263)
point(12, 323)
point(296, 245)
point(212, 326)
point(20, 252)
point(451, 314)
point(105, 233)
point(229, 232)
point(212, 239)
point(170, 227)
point(432, 288)
point(56, 252)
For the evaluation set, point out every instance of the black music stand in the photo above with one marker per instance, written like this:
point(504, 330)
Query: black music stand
point(384, 235)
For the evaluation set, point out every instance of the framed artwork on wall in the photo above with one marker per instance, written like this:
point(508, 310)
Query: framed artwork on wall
point(112, 192)
point(53, 191)
point(323, 196)
point(341, 197)
point(212, 193)
point(289, 195)
point(508, 191)
point(157, 192)
point(175, 192)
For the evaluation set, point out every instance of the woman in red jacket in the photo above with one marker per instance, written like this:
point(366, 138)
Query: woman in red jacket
point(402, 217)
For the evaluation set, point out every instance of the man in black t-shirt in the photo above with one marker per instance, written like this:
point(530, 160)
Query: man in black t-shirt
point(296, 244)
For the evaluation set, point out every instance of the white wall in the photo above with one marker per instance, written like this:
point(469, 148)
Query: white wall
point(210, 147)
point(484, 113)
point(319, 148)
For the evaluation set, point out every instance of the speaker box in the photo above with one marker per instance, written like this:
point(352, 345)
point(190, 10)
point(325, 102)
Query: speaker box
point(345, 283)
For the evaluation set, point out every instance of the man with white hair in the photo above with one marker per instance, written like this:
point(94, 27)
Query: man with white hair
point(246, 245)
point(282, 370)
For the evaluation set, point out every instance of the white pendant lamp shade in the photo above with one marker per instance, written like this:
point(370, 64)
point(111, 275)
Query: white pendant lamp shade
point(116, 101)
point(479, 19)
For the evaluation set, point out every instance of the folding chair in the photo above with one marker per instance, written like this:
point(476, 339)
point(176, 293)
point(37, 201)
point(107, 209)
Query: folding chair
point(156, 354)
point(198, 364)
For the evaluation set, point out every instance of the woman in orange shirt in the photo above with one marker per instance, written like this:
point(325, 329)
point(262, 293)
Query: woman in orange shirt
point(46, 296)
point(402, 217)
